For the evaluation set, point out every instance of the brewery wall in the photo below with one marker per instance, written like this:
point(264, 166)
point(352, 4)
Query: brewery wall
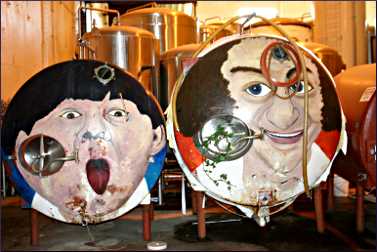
point(34, 34)
point(341, 25)
point(269, 9)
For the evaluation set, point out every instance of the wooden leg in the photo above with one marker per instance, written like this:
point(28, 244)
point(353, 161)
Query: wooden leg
point(147, 222)
point(151, 212)
point(319, 213)
point(34, 228)
point(330, 192)
point(359, 208)
point(201, 215)
point(193, 201)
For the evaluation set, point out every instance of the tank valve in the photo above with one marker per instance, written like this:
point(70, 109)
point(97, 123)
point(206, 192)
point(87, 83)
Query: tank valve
point(226, 136)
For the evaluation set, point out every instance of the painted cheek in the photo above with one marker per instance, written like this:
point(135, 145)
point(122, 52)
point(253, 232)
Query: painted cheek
point(315, 104)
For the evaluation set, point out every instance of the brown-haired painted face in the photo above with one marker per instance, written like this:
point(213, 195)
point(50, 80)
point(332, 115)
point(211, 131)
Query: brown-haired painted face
point(273, 162)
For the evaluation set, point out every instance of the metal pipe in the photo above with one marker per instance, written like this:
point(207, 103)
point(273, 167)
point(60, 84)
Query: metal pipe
point(160, 191)
point(81, 51)
point(3, 184)
point(103, 10)
point(152, 4)
point(173, 176)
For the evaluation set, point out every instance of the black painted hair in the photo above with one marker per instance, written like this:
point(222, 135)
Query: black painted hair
point(205, 93)
point(331, 115)
point(71, 79)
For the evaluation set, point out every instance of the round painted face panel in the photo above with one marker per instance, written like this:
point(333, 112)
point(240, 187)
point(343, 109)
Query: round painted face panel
point(240, 131)
point(99, 149)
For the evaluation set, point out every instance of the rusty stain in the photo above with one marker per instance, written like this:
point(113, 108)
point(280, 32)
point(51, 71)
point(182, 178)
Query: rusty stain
point(76, 202)
point(89, 219)
point(113, 189)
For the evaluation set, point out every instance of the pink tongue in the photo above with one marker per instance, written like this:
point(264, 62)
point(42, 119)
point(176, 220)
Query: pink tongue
point(98, 173)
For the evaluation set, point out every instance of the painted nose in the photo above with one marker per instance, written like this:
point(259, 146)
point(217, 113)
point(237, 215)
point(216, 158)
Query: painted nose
point(282, 113)
point(94, 128)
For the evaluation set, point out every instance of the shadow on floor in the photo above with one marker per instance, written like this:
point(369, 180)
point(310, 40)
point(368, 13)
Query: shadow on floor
point(225, 232)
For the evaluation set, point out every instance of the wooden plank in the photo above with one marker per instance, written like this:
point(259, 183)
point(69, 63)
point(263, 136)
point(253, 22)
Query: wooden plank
point(35, 34)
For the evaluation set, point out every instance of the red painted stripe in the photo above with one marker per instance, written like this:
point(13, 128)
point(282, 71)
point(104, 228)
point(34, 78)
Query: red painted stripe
point(190, 154)
point(328, 141)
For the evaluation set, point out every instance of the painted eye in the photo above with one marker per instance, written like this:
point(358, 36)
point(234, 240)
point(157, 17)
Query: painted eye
point(258, 89)
point(299, 87)
point(118, 113)
point(70, 114)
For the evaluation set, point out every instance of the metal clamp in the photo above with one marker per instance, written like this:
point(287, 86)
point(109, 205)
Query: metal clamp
point(104, 74)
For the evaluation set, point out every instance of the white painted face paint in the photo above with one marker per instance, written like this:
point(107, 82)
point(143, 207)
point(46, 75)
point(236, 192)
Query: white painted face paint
point(273, 162)
point(99, 132)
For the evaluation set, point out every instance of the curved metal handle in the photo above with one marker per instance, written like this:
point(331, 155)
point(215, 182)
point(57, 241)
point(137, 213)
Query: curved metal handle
point(94, 9)
point(154, 84)
point(212, 18)
point(152, 4)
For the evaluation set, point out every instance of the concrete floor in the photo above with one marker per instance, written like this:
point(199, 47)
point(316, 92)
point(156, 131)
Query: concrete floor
point(225, 232)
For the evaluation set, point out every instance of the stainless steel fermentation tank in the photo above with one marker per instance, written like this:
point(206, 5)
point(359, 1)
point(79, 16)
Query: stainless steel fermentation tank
point(172, 64)
point(133, 49)
point(208, 27)
point(172, 28)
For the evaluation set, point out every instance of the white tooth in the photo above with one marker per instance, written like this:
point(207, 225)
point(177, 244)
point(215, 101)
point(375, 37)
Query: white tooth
point(287, 135)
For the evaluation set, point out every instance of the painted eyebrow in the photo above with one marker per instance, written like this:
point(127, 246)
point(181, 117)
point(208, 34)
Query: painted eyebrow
point(245, 69)
point(293, 70)
point(257, 70)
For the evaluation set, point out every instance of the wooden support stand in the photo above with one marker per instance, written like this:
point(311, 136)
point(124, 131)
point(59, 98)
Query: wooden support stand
point(359, 208)
point(330, 192)
point(319, 210)
point(200, 214)
point(147, 219)
point(200, 211)
point(34, 241)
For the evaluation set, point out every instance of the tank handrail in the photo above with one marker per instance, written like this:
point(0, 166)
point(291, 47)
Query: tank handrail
point(94, 9)
point(212, 18)
point(79, 22)
point(152, 4)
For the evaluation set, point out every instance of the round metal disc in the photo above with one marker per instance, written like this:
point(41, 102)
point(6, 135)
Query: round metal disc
point(224, 137)
point(38, 153)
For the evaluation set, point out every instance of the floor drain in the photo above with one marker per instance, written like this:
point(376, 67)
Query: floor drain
point(157, 245)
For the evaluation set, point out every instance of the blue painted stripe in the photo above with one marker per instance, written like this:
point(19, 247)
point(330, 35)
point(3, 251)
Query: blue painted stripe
point(154, 169)
point(21, 186)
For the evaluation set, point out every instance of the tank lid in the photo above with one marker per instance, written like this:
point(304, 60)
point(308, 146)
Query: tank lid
point(184, 50)
point(318, 47)
point(127, 30)
point(214, 25)
point(361, 75)
point(165, 11)
point(283, 21)
point(159, 15)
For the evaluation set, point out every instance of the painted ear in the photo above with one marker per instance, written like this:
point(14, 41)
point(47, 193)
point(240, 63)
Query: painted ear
point(159, 139)
point(20, 138)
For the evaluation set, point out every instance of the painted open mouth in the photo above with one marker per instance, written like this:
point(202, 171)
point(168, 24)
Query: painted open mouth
point(284, 138)
point(98, 173)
